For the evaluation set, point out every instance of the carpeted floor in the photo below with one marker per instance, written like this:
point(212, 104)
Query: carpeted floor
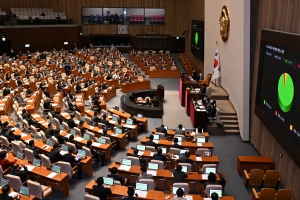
point(226, 147)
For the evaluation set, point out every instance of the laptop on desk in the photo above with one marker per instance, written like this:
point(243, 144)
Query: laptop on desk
point(126, 164)
point(140, 115)
point(155, 138)
point(200, 140)
point(36, 162)
point(219, 192)
point(182, 152)
point(81, 152)
point(56, 169)
point(108, 181)
point(174, 190)
point(102, 140)
point(24, 191)
point(3, 182)
point(86, 136)
point(152, 168)
point(119, 131)
point(49, 142)
point(210, 169)
point(141, 189)
point(184, 168)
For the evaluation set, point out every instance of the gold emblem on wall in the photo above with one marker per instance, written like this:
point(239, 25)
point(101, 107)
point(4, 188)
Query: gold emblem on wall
point(224, 24)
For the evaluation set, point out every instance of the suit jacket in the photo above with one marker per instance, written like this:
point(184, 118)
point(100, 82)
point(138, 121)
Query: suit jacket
point(68, 67)
point(101, 192)
point(176, 146)
point(5, 197)
point(186, 160)
point(21, 174)
point(159, 157)
point(162, 130)
point(117, 178)
point(55, 156)
point(179, 176)
point(71, 123)
point(150, 143)
point(49, 132)
point(57, 116)
point(71, 159)
point(179, 131)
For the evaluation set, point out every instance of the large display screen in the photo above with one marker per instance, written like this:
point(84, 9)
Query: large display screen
point(197, 38)
point(278, 89)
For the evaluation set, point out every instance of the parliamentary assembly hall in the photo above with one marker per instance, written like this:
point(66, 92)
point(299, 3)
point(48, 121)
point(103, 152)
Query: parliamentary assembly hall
point(149, 99)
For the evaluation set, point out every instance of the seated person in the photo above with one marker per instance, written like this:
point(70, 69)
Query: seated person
point(186, 158)
point(104, 120)
point(19, 141)
point(57, 116)
point(36, 151)
point(162, 129)
point(99, 156)
point(132, 97)
point(144, 174)
point(78, 88)
point(100, 191)
point(159, 155)
point(54, 154)
point(9, 135)
point(211, 180)
point(175, 144)
point(179, 175)
point(150, 142)
point(73, 162)
point(214, 196)
point(4, 162)
point(179, 195)
point(5, 192)
point(130, 193)
point(71, 123)
point(211, 111)
point(114, 174)
point(16, 170)
point(179, 130)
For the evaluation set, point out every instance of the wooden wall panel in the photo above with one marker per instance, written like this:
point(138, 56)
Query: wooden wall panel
point(281, 16)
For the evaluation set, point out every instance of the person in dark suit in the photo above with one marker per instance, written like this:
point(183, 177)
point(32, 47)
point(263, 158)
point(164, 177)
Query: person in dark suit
point(162, 129)
point(150, 142)
point(71, 123)
point(211, 112)
point(130, 193)
point(73, 162)
point(104, 120)
point(71, 106)
point(133, 118)
point(5, 192)
point(176, 145)
point(179, 130)
point(203, 90)
point(99, 156)
point(50, 131)
point(9, 135)
point(132, 97)
point(70, 95)
point(78, 88)
point(68, 68)
point(20, 82)
point(179, 175)
point(195, 76)
point(6, 90)
point(186, 158)
point(159, 155)
point(100, 191)
point(114, 174)
point(36, 151)
point(54, 154)
point(211, 180)
point(57, 116)
point(16, 170)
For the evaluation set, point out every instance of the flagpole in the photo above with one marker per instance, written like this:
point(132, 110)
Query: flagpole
point(217, 42)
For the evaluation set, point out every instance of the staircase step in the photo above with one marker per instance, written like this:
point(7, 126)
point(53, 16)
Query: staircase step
point(228, 117)
point(231, 126)
point(231, 132)
point(227, 114)
point(229, 121)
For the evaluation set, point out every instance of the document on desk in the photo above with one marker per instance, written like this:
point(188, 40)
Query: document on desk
point(124, 167)
point(189, 197)
point(30, 167)
point(96, 144)
point(78, 156)
point(27, 141)
point(141, 193)
point(152, 172)
point(198, 159)
point(199, 144)
point(67, 135)
point(78, 139)
point(13, 194)
point(156, 141)
point(112, 122)
point(152, 154)
point(64, 114)
point(62, 152)
point(23, 135)
point(35, 115)
point(140, 153)
point(100, 131)
point(205, 176)
point(207, 199)
point(76, 121)
point(52, 174)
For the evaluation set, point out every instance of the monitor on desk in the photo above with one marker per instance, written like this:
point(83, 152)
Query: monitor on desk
point(129, 122)
point(49, 142)
point(114, 118)
point(72, 132)
point(61, 127)
point(126, 162)
point(56, 169)
point(179, 139)
point(36, 162)
point(139, 115)
point(36, 136)
point(102, 140)
point(25, 191)
point(182, 152)
point(64, 147)
point(141, 186)
point(153, 166)
point(82, 152)
point(119, 131)
point(200, 140)
point(163, 150)
point(141, 147)
point(184, 168)
point(155, 136)
point(86, 136)
point(3, 182)
point(219, 192)
point(174, 190)
point(20, 155)
point(207, 153)
point(210, 169)
point(108, 181)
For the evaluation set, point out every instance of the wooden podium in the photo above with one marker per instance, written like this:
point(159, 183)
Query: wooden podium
point(160, 92)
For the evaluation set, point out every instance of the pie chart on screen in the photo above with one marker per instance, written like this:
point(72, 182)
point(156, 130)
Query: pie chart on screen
point(285, 92)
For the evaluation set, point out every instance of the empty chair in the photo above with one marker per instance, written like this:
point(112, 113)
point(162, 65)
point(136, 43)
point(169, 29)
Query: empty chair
point(14, 181)
point(38, 190)
point(54, 139)
point(175, 151)
point(134, 160)
point(264, 194)
point(150, 148)
point(188, 165)
point(28, 154)
point(254, 178)
point(184, 186)
point(284, 194)
point(212, 187)
point(87, 151)
point(271, 178)
point(149, 182)
point(66, 126)
point(45, 161)
point(90, 197)
point(66, 168)
point(4, 141)
point(160, 163)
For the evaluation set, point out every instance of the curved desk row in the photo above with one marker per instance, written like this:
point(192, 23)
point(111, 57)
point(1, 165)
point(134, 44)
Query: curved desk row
point(141, 85)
